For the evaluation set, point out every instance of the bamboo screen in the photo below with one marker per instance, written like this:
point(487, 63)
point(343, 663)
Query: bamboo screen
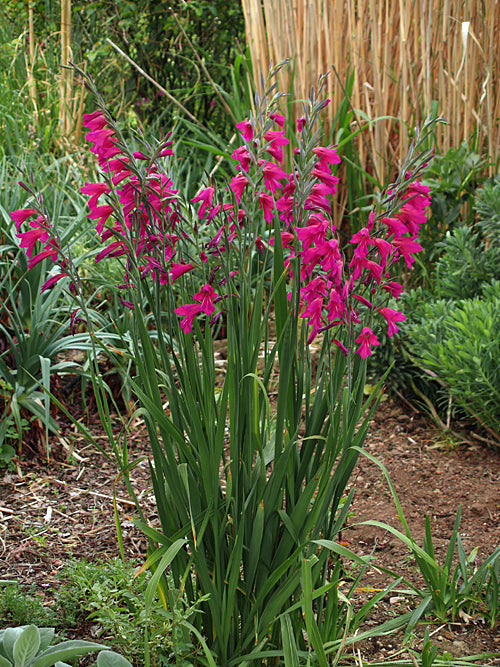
point(404, 54)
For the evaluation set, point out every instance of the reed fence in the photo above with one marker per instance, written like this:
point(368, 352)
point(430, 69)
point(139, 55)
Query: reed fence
point(403, 55)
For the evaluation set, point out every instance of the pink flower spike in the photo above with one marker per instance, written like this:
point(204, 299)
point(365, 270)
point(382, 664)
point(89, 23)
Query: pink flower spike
point(259, 243)
point(277, 140)
point(101, 214)
point(49, 252)
point(393, 288)
point(395, 226)
point(365, 340)
point(392, 316)
point(52, 281)
point(341, 346)
point(362, 300)
point(238, 184)
point(384, 248)
point(94, 190)
point(326, 178)
point(205, 197)
point(29, 238)
point(178, 270)
point(188, 312)
point(407, 247)
point(94, 120)
point(246, 129)
point(165, 152)
point(301, 123)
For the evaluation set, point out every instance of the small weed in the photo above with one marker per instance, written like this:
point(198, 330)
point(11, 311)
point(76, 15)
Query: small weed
point(20, 608)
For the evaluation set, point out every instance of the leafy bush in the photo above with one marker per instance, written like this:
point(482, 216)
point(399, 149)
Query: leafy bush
point(449, 346)
point(460, 343)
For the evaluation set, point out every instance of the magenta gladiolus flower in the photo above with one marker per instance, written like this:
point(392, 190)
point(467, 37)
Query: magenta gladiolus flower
point(206, 297)
point(94, 120)
point(242, 156)
point(393, 288)
point(205, 196)
point(272, 176)
point(45, 254)
point(246, 129)
point(395, 226)
point(29, 238)
point(21, 215)
point(95, 190)
point(327, 155)
point(178, 270)
point(326, 178)
point(336, 309)
point(188, 312)
point(278, 119)
point(277, 140)
point(101, 214)
point(52, 281)
point(392, 316)
point(407, 247)
point(238, 184)
point(365, 340)
point(301, 123)
point(266, 203)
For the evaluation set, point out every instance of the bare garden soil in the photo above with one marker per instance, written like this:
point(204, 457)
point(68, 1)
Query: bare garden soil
point(52, 511)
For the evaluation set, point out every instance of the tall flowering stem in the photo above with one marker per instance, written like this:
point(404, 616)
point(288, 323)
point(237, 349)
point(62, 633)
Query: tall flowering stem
point(250, 460)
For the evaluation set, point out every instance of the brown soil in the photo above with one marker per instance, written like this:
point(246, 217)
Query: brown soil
point(50, 512)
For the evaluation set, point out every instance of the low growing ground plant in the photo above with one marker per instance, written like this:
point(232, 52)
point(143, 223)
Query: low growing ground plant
point(29, 646)
point(456, 588)
point(249, 464)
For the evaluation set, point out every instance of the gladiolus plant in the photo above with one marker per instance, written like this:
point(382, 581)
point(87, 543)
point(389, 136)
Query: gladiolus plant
point(250, 459)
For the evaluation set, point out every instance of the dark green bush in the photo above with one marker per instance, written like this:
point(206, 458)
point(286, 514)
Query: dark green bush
point(459, 341)
point(449, 347)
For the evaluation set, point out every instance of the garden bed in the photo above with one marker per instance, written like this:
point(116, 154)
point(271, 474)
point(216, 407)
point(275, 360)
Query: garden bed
point(51, 512)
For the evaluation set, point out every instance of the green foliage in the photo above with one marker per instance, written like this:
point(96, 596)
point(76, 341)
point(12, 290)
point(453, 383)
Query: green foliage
point(111, 595)
point(487, 207)
point(453, 179)
point(453, 589)
point(20, 608)
point(449, 346)
point(467, 262)
point(29, 646)
point(460, 343)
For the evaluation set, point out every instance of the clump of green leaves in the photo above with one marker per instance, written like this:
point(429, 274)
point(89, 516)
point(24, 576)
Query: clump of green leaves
point(29, 646)
point(111, 595)
point(459, 343)
point(448, 350)
point(20, 608)
point(455, 588)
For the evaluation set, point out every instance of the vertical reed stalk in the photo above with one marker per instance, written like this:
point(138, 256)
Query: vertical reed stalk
point(66, 74)
point(31, 65)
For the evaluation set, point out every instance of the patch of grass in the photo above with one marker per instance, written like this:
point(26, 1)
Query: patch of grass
point(20, 608)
